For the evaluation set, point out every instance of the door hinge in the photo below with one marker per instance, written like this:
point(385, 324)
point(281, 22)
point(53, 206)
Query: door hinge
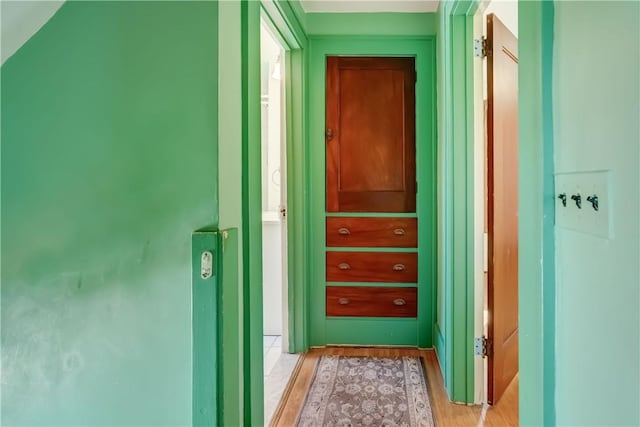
point(481, 47)
point(482, 346)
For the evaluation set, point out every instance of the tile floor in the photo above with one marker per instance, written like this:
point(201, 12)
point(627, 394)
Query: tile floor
point(278, 367)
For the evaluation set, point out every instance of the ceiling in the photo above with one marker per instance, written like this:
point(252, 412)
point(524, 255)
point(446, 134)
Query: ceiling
point(324, 6)
point(21, 20)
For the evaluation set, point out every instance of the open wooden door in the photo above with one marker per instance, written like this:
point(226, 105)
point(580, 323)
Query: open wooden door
point(502, 209)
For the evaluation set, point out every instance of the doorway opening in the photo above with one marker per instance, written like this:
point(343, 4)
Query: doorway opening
point(496, 215)
point(278, 365)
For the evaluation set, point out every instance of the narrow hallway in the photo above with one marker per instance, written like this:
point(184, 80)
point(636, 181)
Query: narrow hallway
point(447, 414)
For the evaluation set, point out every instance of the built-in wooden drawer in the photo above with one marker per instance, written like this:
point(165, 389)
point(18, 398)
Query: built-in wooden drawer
point(372, 232)
point(368, 301)
point(399, 267)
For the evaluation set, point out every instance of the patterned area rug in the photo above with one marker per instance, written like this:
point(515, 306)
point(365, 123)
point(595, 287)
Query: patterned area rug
point(367, 391)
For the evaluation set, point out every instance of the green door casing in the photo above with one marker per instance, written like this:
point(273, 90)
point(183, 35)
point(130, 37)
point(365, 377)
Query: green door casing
point(393, 330)
point(204, 250)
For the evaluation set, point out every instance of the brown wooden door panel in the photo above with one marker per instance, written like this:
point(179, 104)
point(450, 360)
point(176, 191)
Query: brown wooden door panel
point(502, 206)
point(370, 124)
point(372, 232)
point(368, 301)
point(393, 267)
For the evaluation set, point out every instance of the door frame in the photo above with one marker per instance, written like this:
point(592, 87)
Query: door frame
point(454, 343)
point(423, 49)
point(536, 211)
point(285, 24)
point(536, 263)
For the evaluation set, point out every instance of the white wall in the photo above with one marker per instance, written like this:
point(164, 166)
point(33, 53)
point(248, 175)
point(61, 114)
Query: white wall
point(272, 57)
point(272, 277)
point(506, 11)
point(596, 77)
point(21, 20)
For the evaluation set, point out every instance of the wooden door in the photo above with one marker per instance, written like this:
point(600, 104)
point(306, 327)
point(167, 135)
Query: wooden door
point(502, 121)
point(370, 133)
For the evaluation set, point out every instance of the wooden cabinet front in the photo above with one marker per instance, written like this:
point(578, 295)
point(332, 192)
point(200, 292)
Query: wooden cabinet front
point(372, 232)
point(371, 167)
point(397, 267)
point(370, 133)
point(360, 301)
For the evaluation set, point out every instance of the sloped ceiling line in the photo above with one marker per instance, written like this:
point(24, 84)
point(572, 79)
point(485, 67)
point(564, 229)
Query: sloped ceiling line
point(21, 20)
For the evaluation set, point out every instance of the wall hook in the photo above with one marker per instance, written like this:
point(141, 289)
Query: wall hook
point(563, 198)
point(578, 199)
point(594, 201)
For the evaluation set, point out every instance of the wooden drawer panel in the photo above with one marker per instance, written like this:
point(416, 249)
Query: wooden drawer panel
point(399, 267)
point(368, 301)
point(372, 232)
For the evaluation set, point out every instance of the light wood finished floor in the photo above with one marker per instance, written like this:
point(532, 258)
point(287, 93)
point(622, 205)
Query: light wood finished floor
point(447, 414)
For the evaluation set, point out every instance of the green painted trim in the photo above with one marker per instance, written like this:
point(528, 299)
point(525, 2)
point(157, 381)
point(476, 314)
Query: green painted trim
point(252, 214)
point(376, 284)
point(464, 7)
point(365, 249)
point(297, 199)
point(230, 351)
point(205, 331)
point(462, 277)
point(439, 341)
point(455, 349)
point(372, 214)
point(283, 19)
point(445, 202)
point(285, 22)
point(548, 221)
point(296, 179)
point(297, 9)
point(379, 24)
point(383, 331)
point(423, 48)
point(536, 228)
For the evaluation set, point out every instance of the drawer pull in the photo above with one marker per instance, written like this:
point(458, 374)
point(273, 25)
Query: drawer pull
point(343, 301)
point(399, 232)
point(399, 267)
point(344, 266)
point(343, 231)
point(399, 302)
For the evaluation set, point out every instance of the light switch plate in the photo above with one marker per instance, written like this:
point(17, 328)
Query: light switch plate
point(587, 219)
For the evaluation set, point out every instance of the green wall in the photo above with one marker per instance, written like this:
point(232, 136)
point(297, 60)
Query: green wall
point(109, 162)
point(595, 115)
point(379, 24)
